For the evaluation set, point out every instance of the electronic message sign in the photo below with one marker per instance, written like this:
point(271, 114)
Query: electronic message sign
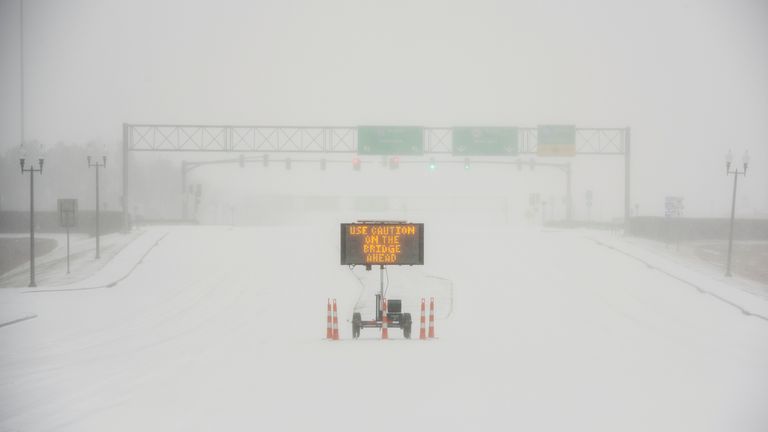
point(556, 140)
point(485, 141)
point(390, 140)
point(382, 243)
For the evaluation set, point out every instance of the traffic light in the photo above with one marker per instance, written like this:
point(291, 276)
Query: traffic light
point(466, 163)
point(265, 161)
point(242, 161)
point(394, 162)
point(432, 164)
point(323, 164)
point(356, 162)
point(287, 163)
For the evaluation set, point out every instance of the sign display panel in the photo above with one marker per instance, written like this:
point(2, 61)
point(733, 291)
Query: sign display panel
point(556, 140)
point(67, 212)
point(382, 243)
point(390, 140)
point(485, 141)
point(673, 206)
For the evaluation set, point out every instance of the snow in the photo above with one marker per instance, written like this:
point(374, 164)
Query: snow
point(50, 269)
point(217, 328)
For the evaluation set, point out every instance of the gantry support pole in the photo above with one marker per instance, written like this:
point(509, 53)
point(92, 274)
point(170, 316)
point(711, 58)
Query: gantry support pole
point(626, 177)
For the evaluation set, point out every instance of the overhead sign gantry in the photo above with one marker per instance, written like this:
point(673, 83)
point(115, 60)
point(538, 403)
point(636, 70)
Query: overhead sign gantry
point(544, 140)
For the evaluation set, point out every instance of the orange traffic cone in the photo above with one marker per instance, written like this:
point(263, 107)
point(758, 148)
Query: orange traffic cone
point(431, 317)
point(328, 324)
point(422, 329)
point(384, 331)
point(335, 322)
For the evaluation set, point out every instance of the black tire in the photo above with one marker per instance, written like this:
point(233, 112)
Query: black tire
point(356, 320)
point(407, 326)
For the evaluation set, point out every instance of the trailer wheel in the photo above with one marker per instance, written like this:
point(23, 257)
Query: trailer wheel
point(356, 324)
point(407, 325)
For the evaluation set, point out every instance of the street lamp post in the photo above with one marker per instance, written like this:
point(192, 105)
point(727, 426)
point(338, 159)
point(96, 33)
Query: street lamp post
point(736, 173)
point(98, 165)
point(32, 170)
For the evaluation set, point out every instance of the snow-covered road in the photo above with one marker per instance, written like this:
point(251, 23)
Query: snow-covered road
point(222, 329)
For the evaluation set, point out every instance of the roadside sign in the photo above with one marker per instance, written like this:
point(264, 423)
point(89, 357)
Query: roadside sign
point(673, 206)
point(67, 212)
point(556, 140)
point(390, 140)
point(382, 243)
point(485, 141)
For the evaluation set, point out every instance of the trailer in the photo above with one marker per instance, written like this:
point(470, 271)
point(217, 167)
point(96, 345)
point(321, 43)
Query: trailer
point(382, 243)
point(396, 318)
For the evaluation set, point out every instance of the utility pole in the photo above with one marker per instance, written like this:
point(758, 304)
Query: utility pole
point(736, 173)
point(627, 176)
point(31, 170)
point(568, 198)
point(21, 71)
point(124, 197)
point(184, 192)
point(97, 165)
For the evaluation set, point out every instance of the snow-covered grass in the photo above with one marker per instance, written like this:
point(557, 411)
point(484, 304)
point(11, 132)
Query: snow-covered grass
point(50, 268)
point(222, 329)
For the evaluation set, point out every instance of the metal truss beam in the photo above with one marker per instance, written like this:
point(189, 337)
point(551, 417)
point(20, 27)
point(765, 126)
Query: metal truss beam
point(339, 140)
point(329, 139)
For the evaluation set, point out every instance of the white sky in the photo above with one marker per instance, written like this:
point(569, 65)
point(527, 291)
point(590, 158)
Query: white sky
point(689, 77)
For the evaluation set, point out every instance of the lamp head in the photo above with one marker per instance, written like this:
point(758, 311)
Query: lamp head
point(21, 162)
point(745, 159)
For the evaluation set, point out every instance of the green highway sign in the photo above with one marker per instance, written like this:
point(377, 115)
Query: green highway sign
point(556, 140)
point(390, 140)
point(485, 141)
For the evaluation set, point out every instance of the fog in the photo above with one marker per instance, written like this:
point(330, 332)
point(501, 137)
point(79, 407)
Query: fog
point(689, 78)
point(593, 282)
